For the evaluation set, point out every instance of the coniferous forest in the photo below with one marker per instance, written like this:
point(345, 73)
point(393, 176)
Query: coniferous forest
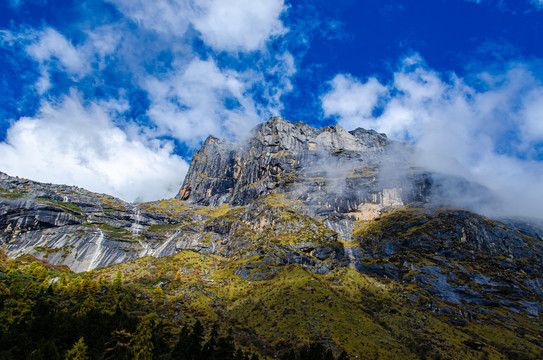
point(47, 313)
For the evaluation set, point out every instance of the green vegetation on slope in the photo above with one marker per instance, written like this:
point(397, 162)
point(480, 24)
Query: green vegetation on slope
point(47, 312)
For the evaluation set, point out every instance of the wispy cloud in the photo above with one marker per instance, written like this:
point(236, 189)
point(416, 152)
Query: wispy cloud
point(237, 25)
point(490, 124)
point(508, 5)
point(53, 52)
point(198, 67)
point(76, 143)
point(170, 17)
point(538, 3)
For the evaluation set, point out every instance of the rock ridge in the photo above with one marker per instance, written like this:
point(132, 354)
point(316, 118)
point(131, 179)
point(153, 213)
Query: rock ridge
point(335, 172)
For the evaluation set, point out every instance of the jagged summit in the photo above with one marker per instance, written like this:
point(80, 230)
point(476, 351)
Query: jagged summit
point(280, 156)
point(334, 171)
point(301, 136)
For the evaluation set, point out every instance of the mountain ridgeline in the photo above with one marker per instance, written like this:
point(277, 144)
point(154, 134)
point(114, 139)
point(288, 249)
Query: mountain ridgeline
point(331, 170)
point(303, 235)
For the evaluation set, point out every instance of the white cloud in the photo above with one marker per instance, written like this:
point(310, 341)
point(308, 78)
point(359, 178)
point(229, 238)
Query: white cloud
point(283, 69)
point(236, 25)
point(164, 16)
point(191, 104)
point(493, 129)
point(102, 41)
point(53, 51)
point(351, 99)
point(52, 44)
point(239, 25)
point(79, 144)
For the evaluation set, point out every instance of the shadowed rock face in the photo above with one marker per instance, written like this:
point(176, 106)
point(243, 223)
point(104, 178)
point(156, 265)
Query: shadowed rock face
point(280, 156)
point(333, 171)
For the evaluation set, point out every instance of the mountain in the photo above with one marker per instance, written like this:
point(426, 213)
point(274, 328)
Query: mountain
point(332, 171)
point(300, 234)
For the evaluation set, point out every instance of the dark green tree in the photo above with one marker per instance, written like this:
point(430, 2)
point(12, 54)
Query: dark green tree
point(118, 280)
point(118, 346)
point(78, 351)
point(142, 340)
point(47, 351)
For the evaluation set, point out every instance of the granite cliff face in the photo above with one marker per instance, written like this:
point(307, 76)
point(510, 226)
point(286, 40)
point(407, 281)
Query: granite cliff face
point(71, 226)
point(337, 173)
point(329, 168)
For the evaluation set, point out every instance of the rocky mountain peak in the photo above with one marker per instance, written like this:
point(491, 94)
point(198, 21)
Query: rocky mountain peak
point(301, 136)
point(442, 269)
point(330, 169)
point(335, 172)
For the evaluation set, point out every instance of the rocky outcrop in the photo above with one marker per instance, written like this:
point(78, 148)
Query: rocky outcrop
point(288, 194)
point(456, 255)
point(279, 156)
point(71, 226)
point(83, 230)
point(334, 171)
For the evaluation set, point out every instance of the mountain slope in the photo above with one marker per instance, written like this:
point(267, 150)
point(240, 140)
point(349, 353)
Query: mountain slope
point(300, 235)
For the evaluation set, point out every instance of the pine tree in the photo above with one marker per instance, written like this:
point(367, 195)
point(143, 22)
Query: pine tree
point(179, 351)
point(118, 280)
point(40, 272)
point(78, 351)
point(47, 351)
point(209, 347)
point(118, 346)
point(142, 341)
point(196, 336)
point(101, 279)
point(90, 287)
point(158, 294)
point(64, 279)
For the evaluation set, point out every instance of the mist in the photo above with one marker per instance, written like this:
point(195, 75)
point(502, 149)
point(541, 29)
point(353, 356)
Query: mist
point(487, 129)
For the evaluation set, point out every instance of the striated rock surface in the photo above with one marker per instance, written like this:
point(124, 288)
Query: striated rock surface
point(335, 172)
point(71, 226)
point(307, 163)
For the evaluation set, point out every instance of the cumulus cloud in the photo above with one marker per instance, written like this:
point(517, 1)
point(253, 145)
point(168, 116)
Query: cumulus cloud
point(492, 125)
point(201, 100)
point(185, 91)
point(355, 100)
point(239, 25)
point(79, 144)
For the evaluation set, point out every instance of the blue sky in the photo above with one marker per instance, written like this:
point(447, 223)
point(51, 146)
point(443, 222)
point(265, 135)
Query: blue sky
point(116, 95)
